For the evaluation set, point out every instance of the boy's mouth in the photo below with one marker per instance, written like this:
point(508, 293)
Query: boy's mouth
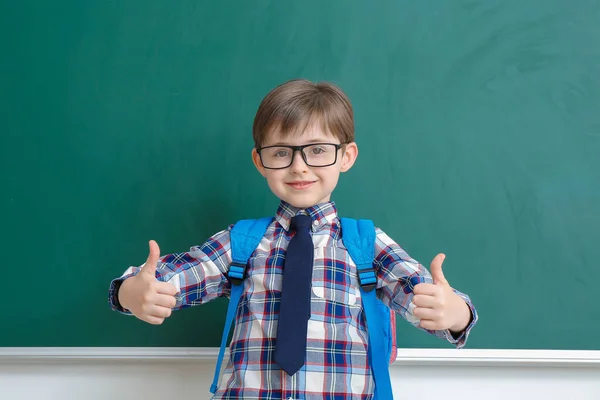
point(300, 184)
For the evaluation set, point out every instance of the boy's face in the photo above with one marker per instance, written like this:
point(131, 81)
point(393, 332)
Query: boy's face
point(299, 184)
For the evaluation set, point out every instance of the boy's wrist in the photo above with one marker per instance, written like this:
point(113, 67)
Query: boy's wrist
point(121, 295)
point(464, 317)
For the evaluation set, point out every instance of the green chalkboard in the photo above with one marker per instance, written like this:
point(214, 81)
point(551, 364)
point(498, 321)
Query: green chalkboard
point(478, 124)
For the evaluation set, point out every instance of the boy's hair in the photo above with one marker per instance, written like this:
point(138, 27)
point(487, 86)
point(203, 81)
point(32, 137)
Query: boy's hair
point(293, 105)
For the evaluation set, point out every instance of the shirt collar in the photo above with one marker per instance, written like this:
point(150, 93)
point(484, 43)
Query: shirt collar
point(322, 214)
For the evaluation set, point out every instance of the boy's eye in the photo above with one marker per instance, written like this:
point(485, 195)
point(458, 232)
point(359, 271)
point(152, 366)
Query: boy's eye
point(317, 150)
point(281, 152)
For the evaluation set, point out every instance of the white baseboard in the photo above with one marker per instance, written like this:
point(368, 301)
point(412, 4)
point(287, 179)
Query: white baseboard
point(77, 373)
point(437, 357)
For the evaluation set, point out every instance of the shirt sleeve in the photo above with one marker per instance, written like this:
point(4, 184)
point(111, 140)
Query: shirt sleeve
point(397, 275)
point(199, 274)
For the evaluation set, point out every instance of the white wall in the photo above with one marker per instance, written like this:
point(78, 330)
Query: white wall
point(179, 373)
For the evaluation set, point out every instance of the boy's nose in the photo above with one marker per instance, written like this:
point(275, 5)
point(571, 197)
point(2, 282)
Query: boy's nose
point(298, 163)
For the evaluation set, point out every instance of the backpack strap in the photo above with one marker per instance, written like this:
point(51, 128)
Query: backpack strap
point(245, 237)
point(359, 238)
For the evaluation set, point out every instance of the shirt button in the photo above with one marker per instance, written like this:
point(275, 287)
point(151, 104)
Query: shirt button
point(315, 223)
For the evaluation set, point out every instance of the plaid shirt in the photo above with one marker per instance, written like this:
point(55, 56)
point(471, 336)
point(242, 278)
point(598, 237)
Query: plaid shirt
point(336, 356)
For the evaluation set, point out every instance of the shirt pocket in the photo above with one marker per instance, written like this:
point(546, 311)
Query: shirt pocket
point(334, 279)
point(262, 291)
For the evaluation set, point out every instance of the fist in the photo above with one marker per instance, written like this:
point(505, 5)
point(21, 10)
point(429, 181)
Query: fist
point(436, 304)
point(146, 297)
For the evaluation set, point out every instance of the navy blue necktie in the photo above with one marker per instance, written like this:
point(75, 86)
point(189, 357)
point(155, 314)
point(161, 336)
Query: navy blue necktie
point(294, 312)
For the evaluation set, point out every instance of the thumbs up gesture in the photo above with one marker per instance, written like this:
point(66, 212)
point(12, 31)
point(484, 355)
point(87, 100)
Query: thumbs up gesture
point(437, 305)
point(144, 296)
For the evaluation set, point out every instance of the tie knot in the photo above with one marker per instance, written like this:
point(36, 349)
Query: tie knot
point(301, 221)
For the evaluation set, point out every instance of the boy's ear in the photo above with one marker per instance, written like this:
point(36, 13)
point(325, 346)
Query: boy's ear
point(257, 163)
point(349, 156)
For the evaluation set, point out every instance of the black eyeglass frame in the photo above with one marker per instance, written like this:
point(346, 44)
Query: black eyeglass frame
point(301, 150)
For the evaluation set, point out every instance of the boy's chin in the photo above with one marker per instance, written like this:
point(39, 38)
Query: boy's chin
point(303, 203)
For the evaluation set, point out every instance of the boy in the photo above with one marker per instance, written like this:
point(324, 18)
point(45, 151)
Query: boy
point(304, 138)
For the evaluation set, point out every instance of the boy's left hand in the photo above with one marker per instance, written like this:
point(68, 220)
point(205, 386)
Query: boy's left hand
point(437, 305)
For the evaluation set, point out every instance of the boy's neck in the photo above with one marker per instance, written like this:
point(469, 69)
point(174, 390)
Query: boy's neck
point(325, 212)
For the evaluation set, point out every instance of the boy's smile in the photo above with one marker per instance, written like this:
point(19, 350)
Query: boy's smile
point(299, 184)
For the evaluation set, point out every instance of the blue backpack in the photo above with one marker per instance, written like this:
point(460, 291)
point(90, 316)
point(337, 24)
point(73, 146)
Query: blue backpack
point(359, 239)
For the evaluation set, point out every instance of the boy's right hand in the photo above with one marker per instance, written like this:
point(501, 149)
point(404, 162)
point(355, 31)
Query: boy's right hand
point(146, 297)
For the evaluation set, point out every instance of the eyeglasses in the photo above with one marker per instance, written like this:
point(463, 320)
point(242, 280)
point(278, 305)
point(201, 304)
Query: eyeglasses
point(314, 155)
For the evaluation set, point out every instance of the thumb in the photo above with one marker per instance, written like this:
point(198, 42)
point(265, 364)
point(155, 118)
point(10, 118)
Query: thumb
point(152, 260)
point(436, 270)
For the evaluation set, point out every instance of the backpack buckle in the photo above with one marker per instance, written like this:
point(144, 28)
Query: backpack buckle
point(237, 272)
point(367, 278)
